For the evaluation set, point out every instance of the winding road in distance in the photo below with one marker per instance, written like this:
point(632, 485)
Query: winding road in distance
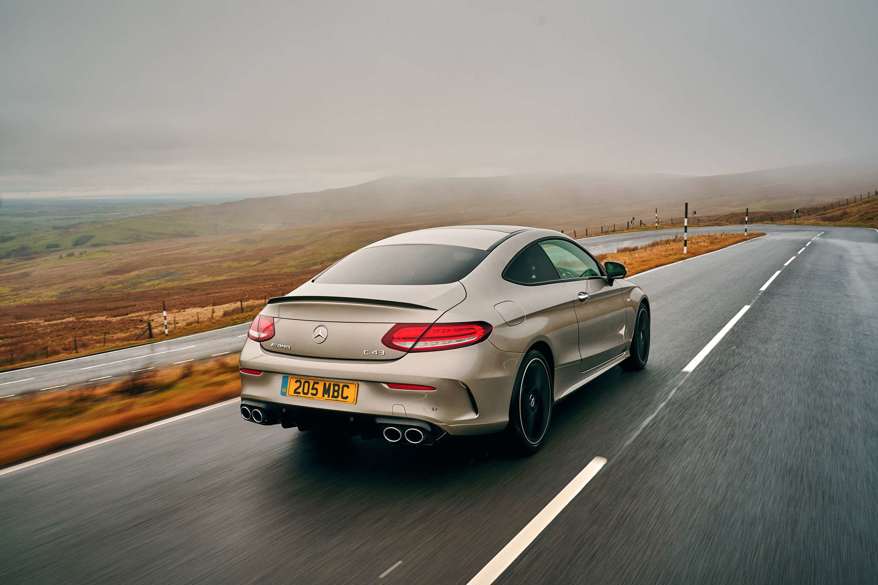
point(744, 453)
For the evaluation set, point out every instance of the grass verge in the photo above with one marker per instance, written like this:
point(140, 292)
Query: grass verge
point(40, 423)
point(43, 422)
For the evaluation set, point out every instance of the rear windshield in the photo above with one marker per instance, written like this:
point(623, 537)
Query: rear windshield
point(404, 264)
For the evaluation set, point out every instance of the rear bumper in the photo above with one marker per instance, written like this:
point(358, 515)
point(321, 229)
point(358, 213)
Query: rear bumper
point(473, 386)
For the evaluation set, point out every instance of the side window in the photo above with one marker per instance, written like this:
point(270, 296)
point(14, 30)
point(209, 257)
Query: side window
point(570, 260)
point(531, 266)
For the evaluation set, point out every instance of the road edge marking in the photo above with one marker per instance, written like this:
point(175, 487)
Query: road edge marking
point(507, 555)
point(111, 438)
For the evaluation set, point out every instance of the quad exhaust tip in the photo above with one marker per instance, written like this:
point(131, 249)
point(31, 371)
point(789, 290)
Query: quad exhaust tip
point(246, 412)
point(392, 434)
point(414, 435)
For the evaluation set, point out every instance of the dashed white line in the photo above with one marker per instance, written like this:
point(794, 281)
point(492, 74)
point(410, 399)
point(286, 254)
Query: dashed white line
point(392, 567)
point(8, 396)
point(99, 378)
point(769, 281)
point(529, 533)
point(139, 357)
point(83, 447)
point(142, 370)
point(808, 243)
point(787, 263)
point(802, 249)
point(716, 339)
point(16, 381)
point(183, 362)
point(52, 388)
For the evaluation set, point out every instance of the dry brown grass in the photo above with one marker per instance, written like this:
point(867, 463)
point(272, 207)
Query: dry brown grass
point(655, 254)
point(40, 423)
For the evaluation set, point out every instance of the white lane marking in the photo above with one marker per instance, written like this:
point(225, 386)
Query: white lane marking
point(7, 396)
point(111, 438)
point(802, 249)
point(392, 567)
point(143, 370)
point(220, 353)
point(716, 339)
point(139, 357)
point(808, 243)
point(16, 381)
point(787, 263)
point(769, 281)
point(99, 378)
point(183, 362)
point(529, 533)
point(52, 388)
point(678, 262)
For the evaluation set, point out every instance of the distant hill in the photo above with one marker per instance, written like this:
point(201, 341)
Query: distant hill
point(547, 200)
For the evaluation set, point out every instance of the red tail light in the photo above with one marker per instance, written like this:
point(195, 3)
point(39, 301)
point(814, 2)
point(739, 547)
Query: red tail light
point(251, 372)
point(262, 328)
point(427, 337)
point(418, 387)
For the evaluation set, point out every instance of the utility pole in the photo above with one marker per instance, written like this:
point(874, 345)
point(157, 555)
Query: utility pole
point(686, 228)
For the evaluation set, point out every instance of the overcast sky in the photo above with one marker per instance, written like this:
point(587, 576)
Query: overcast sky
point(274, 97)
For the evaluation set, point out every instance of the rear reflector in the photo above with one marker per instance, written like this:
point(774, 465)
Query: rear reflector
point(250, 372)
point(418, 387)
point(262, 328)
point(435, 337)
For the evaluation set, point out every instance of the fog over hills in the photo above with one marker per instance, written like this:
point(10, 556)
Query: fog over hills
point(556, 201)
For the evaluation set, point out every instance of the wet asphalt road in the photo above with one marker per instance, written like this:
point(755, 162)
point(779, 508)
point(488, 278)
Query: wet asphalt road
point(759, 466)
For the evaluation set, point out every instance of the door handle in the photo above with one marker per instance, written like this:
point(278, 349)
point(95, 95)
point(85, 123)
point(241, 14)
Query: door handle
point(582, 296)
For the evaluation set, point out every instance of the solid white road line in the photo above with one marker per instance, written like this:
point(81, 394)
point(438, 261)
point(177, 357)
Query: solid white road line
point(111, 438)
point(529, 533)
point(716, 339)
point(99, 378)
point(183, 362)
point(769, 281)
point(52, 387)
point(220, 353)
point(7, 396)
point(16, 381)
point(678, 262)
point(139, 357)
point(392, 567)
point(787, 263)
point(802, 249)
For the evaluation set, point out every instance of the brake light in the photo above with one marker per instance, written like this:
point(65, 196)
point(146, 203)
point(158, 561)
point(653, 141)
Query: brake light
point(417, 387)
point(435, 337)
point(251, 372)
point(262, 328)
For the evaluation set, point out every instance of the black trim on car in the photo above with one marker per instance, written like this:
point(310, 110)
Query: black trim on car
point(357, 300)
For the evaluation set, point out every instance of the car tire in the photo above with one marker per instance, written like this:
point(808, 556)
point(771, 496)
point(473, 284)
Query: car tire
point(639, 349)
point(530, 411)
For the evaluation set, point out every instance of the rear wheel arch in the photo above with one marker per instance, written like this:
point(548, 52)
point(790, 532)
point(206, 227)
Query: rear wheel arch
point(543, 348)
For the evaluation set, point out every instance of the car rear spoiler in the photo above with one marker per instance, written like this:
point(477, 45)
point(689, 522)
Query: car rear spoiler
point(318, 298)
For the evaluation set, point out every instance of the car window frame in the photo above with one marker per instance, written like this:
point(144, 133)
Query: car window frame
point(602, 276)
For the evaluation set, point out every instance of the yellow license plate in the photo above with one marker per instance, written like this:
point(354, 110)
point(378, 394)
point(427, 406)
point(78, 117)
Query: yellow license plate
point(319, 389)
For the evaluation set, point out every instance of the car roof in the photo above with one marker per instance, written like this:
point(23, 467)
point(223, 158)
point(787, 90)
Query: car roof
point(482, 237)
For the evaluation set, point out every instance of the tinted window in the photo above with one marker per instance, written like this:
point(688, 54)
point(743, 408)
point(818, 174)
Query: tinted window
point(531, 266)
point(404, 264)
point(570, 260)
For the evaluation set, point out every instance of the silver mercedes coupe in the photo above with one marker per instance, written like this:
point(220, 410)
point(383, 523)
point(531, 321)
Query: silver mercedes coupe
point(445, 331)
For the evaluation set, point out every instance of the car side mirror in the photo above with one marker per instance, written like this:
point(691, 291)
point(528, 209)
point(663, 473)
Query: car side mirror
point(614, 270)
